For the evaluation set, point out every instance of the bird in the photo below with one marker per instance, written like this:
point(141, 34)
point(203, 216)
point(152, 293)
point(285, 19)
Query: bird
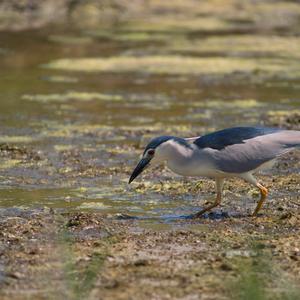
point(232, 152)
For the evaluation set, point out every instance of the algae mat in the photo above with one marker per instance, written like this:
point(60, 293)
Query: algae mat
point(179, 65)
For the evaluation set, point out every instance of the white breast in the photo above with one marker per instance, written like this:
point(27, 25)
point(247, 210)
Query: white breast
point(196, 163)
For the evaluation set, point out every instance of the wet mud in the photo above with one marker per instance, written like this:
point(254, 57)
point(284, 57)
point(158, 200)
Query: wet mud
point(50, 254)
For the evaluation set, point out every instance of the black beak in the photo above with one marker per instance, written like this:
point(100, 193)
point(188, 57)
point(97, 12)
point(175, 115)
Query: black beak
point(139, 168)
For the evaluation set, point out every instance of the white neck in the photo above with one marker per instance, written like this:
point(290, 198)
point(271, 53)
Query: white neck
point(183, 160)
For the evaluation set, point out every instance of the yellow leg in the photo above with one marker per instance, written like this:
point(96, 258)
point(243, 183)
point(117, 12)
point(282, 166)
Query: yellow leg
point(263, 196)
point(219, 187)
point(216, 203)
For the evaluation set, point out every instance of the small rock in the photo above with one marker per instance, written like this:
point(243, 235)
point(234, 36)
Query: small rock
point(242, 253)
point(15, 275)
point(121, 216)
point(141, 262)
point(226, 267)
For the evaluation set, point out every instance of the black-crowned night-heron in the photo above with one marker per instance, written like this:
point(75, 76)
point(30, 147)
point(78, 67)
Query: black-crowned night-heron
point(233, 152)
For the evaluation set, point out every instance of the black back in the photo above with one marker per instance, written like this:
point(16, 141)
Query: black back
point(237, 135)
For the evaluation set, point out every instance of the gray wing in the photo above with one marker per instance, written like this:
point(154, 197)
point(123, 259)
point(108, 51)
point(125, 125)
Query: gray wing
point(251, 153)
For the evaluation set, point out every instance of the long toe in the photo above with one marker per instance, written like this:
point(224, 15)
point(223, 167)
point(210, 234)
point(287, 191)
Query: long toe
point(198, 214)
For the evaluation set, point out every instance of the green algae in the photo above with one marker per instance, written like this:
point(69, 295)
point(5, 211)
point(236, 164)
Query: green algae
point(80, 279)
point(161, 30)
point(60, 148)
point(238, 104)
point(240, 45)
point(128, 36)
point(60, 78)
point(278, 116)
point(140, 37)
point(16, 139)
point(69, 96)
point(164, 187)
point(179, 25)
point(282, 113)
point(10, 163)
point(256, 274)
point(179, 65)
point(94, 205)
point(57, 129)
point(92, 193)
point(72, 40)
point(289, 119)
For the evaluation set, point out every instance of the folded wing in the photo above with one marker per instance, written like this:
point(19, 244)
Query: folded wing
point(243, 149)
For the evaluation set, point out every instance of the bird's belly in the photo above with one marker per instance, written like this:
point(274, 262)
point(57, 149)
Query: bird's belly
point(194, 170)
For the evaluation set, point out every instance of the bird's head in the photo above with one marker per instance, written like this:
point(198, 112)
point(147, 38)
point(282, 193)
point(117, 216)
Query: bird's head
point(159, 149)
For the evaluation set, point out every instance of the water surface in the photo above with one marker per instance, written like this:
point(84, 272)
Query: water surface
point(77, 106)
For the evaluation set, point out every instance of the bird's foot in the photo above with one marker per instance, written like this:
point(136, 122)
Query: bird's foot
point(203, 211)
point(197, 215)
point(255, 214)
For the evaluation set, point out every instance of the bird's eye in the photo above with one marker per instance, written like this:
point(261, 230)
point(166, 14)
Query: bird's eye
point(151, 152)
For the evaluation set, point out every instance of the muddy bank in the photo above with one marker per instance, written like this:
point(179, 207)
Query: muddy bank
point(57, 253)
point(248, 15)
point(20, 15)
point(48, 254)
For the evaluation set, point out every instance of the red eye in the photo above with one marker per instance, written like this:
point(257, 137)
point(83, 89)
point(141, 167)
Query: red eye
point(151, 152)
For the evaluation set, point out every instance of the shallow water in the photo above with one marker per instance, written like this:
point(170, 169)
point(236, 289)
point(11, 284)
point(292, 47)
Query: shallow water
point(77, 107)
